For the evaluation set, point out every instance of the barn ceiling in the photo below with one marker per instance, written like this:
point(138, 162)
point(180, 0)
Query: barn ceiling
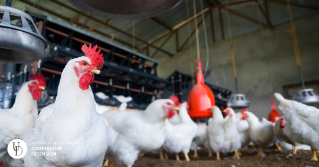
point(169, 33)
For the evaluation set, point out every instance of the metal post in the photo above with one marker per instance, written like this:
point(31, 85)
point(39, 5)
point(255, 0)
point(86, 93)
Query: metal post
point(301, 77)
point(8, 3)
point(236, 85)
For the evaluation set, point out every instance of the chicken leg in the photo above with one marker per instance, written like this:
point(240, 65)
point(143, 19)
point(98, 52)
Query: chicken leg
point(165, 155)
point(161, 155)
point(106, 163)
point(210, 153)
point(236, 155)
point(111, 163)
point(260, 151)
point(186, 157)
point(314, 155)
point(294, 149)
point(217, 155)
point(195, 153)
point(177, 157)
point(278, 147)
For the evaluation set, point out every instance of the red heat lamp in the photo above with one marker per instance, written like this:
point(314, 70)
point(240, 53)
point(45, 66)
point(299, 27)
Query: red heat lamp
point(201, 99)
point(274, 115)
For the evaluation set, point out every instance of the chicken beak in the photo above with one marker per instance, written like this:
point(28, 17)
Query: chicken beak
point(42, 87)
point(95, 71)
point(175, 108)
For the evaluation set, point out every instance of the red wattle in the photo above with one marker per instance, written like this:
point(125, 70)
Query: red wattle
point(170, 114)
point(35, 91)
point(86, 80)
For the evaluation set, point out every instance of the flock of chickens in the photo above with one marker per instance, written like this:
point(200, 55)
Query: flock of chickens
point(102, 135)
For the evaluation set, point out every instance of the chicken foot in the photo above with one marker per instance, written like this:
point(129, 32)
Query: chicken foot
point(278, 147)
point(314, 155)
point(165, 155)
point(111, 163)
point(195, 153)
point(161, 155)
point(236, 154)
point(177, 157)
point(217, 155)
point(260, 151)
point(186, 157)
point(210, 154)
point(294, 149)
point(106, 163)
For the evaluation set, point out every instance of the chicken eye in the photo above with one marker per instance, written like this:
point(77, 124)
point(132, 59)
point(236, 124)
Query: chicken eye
point(34, 83)
point(84, 63)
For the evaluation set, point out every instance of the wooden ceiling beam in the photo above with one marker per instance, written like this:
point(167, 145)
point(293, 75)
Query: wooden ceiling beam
point(163, 44)
point(74, 19)
point(243, 16)
point(67, 19)
point(160, 23)
point(107, 24)
point(265, 15)
point(295, 4)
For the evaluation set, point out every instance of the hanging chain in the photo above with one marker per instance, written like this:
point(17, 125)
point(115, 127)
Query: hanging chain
point(205, 35)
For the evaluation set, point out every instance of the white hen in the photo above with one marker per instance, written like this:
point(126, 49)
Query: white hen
point(201, 139)
point(19, 119)
point(144, 130)
point(179, 137)
point(222, 133)
point(260, 132)
point(301, 123)
point(72, 122)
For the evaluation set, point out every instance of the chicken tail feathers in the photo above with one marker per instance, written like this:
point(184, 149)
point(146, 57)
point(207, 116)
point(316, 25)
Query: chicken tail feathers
point(279, 97)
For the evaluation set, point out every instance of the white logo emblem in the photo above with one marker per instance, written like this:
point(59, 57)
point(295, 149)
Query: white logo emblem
point(17, 149)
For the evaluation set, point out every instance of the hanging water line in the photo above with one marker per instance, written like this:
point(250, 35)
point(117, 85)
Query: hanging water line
point(190, 47)
point(205, 35)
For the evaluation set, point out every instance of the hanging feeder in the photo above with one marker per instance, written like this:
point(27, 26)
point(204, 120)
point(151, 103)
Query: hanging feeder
point(201, 99)
point(274, 115)
point(306, 96)
point(20, 40)
point(238, 101)
point(125, 9)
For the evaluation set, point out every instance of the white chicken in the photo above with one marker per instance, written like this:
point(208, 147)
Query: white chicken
point(242, 127)
point(72, 122)
point(179, 137)
point(301, 123)
point(278, 131)
point(123, 100)
point(19, 119)
point(201, 139)
point(222, 133)
point(144, 130)
point(260, 132)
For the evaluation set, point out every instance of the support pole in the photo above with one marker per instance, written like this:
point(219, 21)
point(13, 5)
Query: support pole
point(8, 3)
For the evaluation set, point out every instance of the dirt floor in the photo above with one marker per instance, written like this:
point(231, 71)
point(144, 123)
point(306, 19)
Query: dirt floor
point(248, 158)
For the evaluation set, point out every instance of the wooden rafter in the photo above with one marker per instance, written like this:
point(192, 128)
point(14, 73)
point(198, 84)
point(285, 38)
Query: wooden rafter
point(163, 44)
point(183, 23)
point(107, 24)
point(295, 4)
point(74, 19)
point(265, 15)
point(192, 33)
point(243, 16)
point(221, 23)
point(84, 24)
point(67, 19)
point(161, 23)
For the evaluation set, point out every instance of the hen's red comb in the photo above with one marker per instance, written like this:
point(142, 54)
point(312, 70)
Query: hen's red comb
point(39, 77)
point(244, 110)
point(175, 99)
point(97, 59)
